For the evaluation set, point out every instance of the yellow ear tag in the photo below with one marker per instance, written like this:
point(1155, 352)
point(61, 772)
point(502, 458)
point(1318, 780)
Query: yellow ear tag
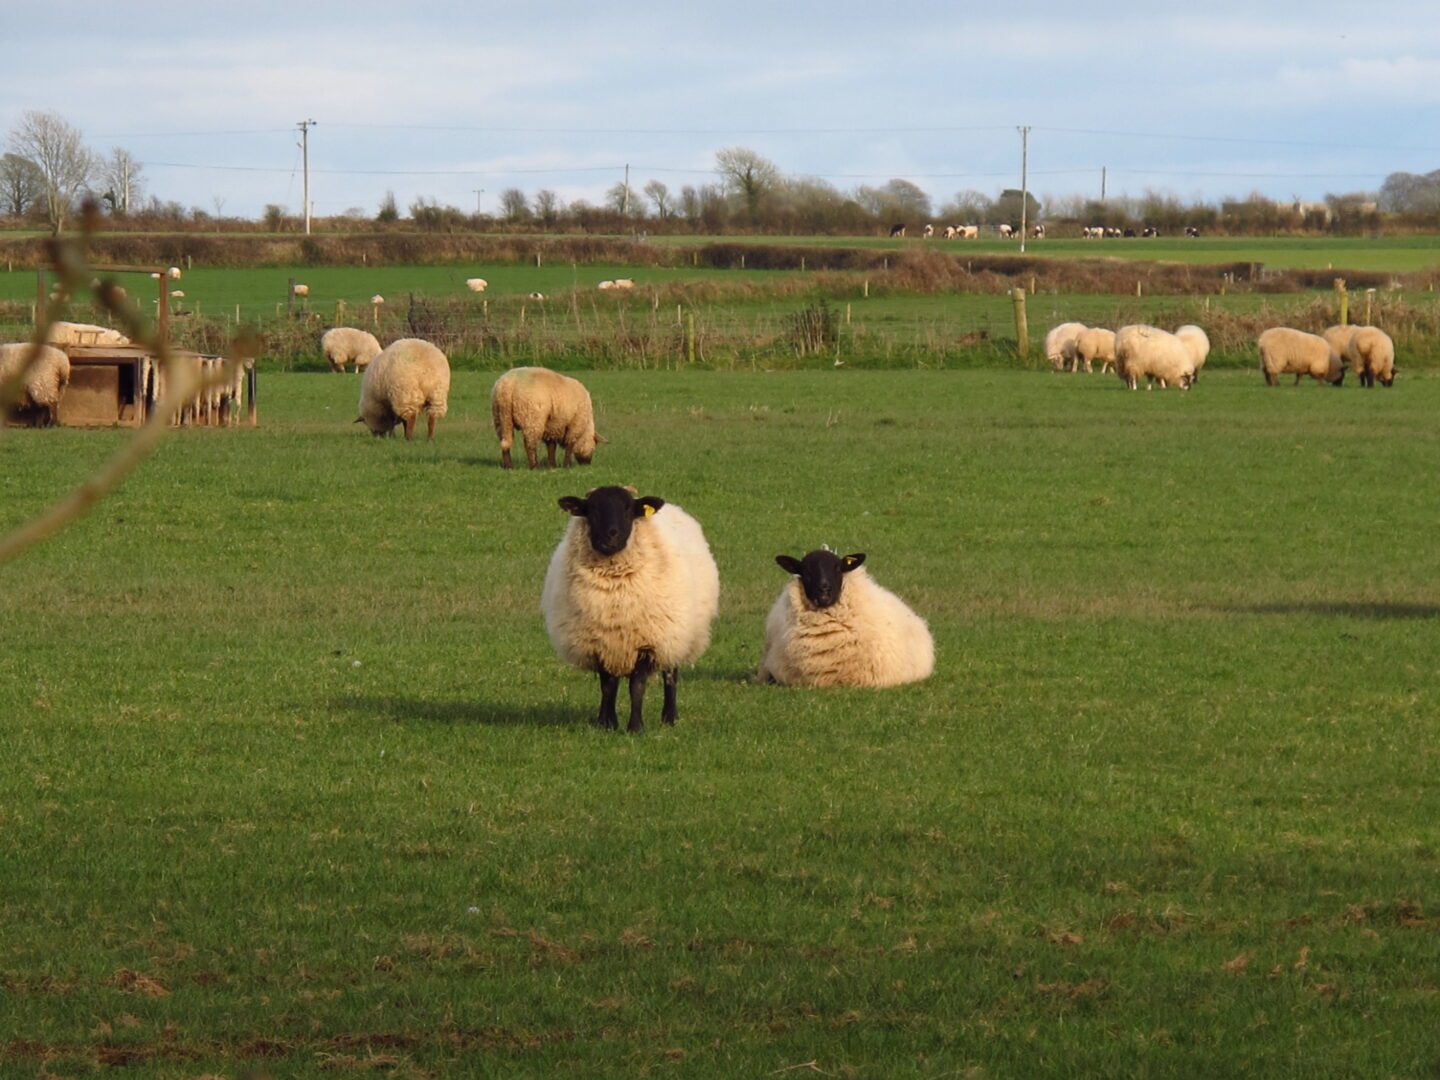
point(649, 510)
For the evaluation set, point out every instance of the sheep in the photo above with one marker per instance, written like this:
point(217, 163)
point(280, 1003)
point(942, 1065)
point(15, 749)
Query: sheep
point(377, 299)
point(174, 273)
point(833, 626)
point(1095, 344)
point(177, 294)
point(1154, 354)
point(623, 283)
point(408, 376)
point(547, 407)
point(476, 284)
point(344, 345)
point(535, 296)
point(1367, 350)
point(301, 290)
point(631, 589)
point(606, 285)
point(1284, 351)
point(1198, 343)
point(1058, 340)
point(44, 383)
point(63, 334)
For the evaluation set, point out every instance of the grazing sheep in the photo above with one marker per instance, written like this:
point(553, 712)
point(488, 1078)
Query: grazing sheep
point(344, 345)
point(377, 299)
point(1367, 350)
point(1198, 343)
point(1095, 344)
point(301, 290)
point(833, 626)
point(476, 284)
point(535, 296)
point(1059, 342)
point(177, 294)
point(44, 383)
point(174, 273)
point(623, 283)
point(1284, 351)
point(606, 285)
point(898, 229)
point(73, 333)
point(632, 589)
point(408, 376)
point(1155, 355)
point(547, 407)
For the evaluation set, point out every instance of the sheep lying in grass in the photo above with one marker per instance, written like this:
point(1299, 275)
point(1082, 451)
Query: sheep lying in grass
point(64, 334)
point(833, 626)
point(1059, 344)
point(1094, 345)
point(408, 377)
point(44, 383)
point(1155, 355)
point(631, 589)
point(476, 284)
point(547, 407)
point(1367, 350)
point(1284, 351)
point(1198, 342)
point(346, 345)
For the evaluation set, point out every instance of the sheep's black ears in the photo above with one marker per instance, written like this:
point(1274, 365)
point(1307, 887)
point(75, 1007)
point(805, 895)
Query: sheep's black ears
point(647, 505)
point(788, 563)
point(851, 562)
point(572, 505)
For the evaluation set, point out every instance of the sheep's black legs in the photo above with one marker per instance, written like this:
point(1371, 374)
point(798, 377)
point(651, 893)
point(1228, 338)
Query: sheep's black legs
point(609, 687)
point(505, 462)
point(430, 426)
point(671, 678)
point(550, 451)
point(644, 665)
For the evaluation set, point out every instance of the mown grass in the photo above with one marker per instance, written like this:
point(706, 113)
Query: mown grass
point(293, 785)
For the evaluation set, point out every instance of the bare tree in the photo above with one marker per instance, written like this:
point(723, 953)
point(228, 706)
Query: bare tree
point(747, 174)
point(514, 205)
point(617, 197)
point(58, 150)
point(120, 176)
point(21, 185)
point(547, 206)
point(659, 194)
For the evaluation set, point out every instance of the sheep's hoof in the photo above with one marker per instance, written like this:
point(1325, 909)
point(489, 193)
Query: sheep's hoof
point(636, 727)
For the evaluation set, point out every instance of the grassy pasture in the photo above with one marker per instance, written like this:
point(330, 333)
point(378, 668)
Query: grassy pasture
point(292, 784)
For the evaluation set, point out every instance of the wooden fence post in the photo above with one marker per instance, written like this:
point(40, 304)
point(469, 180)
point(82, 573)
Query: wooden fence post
point(690, 337)
point(1022, 330)
point(1342, 300)
point(1369, 300)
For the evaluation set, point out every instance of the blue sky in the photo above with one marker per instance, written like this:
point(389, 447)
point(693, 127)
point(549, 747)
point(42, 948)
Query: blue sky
point(437, 100)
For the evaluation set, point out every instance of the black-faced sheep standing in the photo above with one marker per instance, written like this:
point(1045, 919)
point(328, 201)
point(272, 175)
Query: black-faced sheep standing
point(632, 589)
point(833, 626)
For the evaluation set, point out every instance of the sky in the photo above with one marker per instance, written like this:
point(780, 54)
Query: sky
point(442, 101)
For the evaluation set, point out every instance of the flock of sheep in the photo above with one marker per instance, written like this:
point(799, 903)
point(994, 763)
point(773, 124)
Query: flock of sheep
point(1175, 359)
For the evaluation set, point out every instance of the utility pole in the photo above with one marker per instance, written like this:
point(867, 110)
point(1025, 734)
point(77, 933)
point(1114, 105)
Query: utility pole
point(478, 192)
point(625, 204)
point(125, 184)
point(1102, 184)
point(305, 126)
point(1024, 181)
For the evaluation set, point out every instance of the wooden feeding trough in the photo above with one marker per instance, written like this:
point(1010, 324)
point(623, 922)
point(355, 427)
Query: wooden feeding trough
point(116, 385)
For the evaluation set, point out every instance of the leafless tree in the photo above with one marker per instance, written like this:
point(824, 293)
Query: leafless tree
point(547, 206)
point(58, 150)
point(22, 186)
point(120, 176)
point(514, 205)
point(617, 198)
point(659, 194)
point(747, 174)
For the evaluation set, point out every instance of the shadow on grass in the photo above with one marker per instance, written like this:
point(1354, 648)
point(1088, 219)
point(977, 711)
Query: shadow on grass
point(407, 709)
point(1355, 609)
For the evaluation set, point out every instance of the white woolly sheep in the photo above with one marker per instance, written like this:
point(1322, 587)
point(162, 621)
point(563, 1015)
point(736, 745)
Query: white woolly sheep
point(606, 285)
point(174, 273)
point(1368, 350)
point(377, 299)
point(64, 334)
point(1155, 355)
point(833, 626)
point(45, 382)
point(623, 283)
point(632, 589)
point(301, 290)
point(177, 294)
point(547, 407)
point(1198, 342)
point(476, 284)
point(1095, 345)
point(1059, 343)
point(1284, 351)
point(344, 345)
point(535, 296)
point(408, 377)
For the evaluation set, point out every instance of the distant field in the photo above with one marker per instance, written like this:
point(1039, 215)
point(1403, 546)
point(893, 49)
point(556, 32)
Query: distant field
point(294, 787)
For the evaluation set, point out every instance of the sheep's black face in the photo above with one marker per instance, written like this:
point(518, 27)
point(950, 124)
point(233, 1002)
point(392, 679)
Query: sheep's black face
point(610, 514)
point(821, 573)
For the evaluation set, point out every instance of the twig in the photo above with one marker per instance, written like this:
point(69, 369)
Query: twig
point(811, 1065)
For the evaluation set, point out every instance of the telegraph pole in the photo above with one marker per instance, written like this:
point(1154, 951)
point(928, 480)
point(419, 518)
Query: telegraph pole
point(1102, 184)
point(625, 205)
point(1024, 181)
point(478, 192)
point(305, 126)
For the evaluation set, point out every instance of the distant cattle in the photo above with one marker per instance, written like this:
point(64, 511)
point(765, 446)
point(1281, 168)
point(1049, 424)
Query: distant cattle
point(1005, 230)
point(1038, 232)
point(1150, 230)
point(1129, 234)
point(897, 229)
point(1093, 232)
point(968, 232)
point(929, 231)
point(1191, 230)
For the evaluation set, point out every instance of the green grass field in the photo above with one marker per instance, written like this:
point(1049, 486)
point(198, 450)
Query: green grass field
point(294, 786)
